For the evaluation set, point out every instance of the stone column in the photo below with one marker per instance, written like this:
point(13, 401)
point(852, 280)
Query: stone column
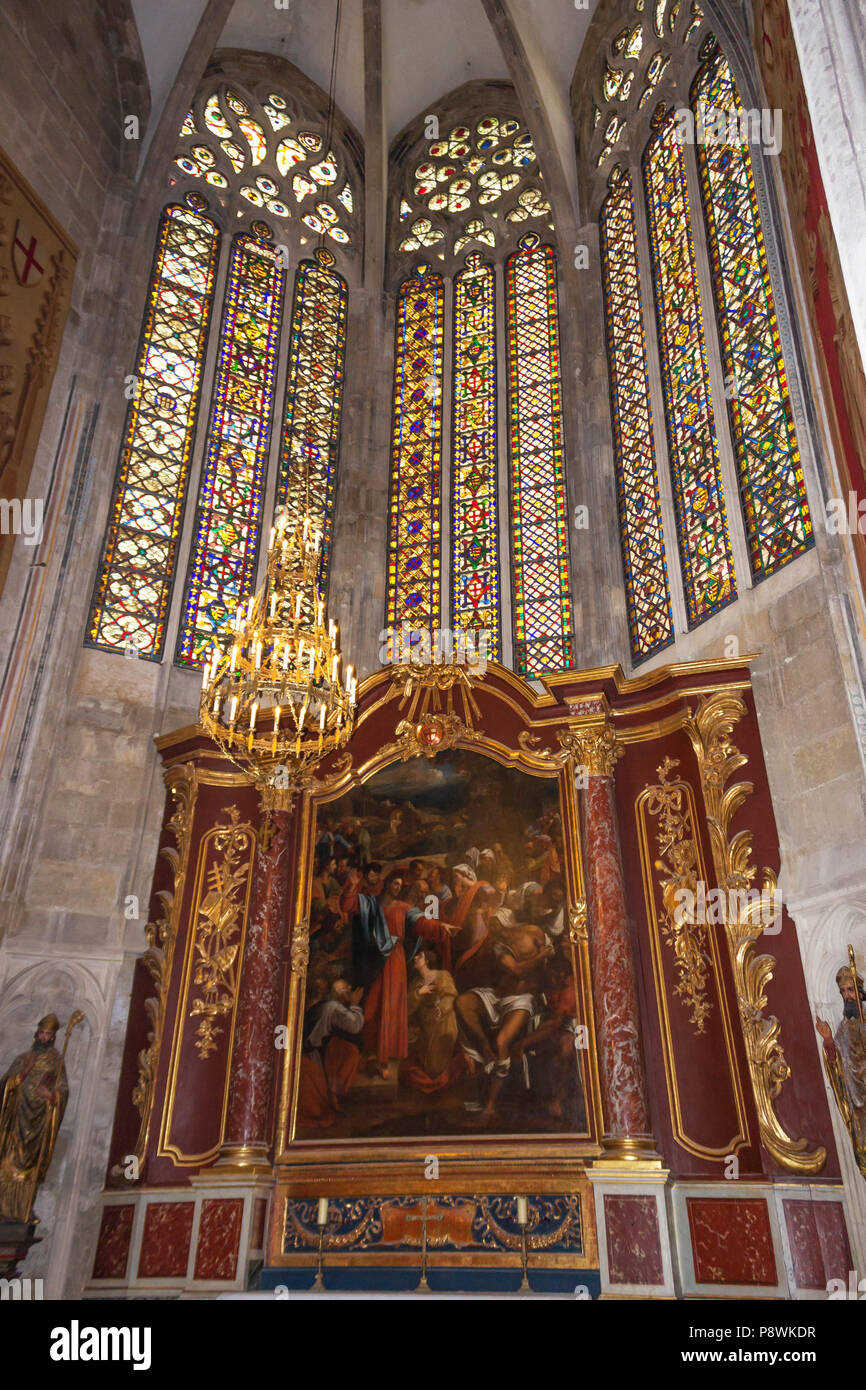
point(247, 1139)
point(627, 1132)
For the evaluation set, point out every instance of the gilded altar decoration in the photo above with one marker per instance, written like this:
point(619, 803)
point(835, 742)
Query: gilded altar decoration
point(440, 707)
point(845, 1056)
point(161, 940)
point(677, 869)
point(218, 930)
point(300, 947)
point(33, 1096)
point(272, 696)
point(37, 262)
point(595, 747)
point(718, 759)
point(447, 1224)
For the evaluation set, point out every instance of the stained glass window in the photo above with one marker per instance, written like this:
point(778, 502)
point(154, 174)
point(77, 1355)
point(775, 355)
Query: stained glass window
point(542, 603)
point(228, 518)
point(643, 547)
point(474, 547)
point(314, 395)
point(416, 455)
point(705, 551)
point(139, 556)
point(489, 167)
point(773, 494)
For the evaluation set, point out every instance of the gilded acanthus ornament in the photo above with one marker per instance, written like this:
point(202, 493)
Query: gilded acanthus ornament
point(595, 747)
point(218, 930)
point(161, 939)
point(677, 869)
point(300, 947)
point(577, 922)
point(718, 759)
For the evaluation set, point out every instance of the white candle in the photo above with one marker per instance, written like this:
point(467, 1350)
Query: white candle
point(205, 676)
point(321, 613)
point(322, 1213)
point(298, 606)
point(234, 659)
point(234, 709)
point(253, 711)
point(250, 607)
point(302, 716)
point(273, 604)
point(239, 619)
point(276, 718)
point(522, 1211)
point(322, 717)
point(312, 661)
point(286, 657)
point(334, 666)
point(258, 655)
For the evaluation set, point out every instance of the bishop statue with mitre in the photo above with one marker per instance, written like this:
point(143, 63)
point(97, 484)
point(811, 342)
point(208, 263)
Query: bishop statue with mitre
point(33, 1096)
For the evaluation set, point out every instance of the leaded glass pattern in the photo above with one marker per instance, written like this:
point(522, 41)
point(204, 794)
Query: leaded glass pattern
point(475, 599)
point(314, 397)
point(416, 455)
point(262, 148)
point(705, 550)
point(229, 513)
point(470, 185)
point(643, 546)
point(542, 602)
point(772, 490)
point(135, 576)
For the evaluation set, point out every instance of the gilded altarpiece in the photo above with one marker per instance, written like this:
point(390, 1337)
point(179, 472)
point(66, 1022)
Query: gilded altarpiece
point(467, 811)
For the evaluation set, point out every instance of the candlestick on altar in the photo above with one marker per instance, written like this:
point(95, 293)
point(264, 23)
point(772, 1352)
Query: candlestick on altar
point(522, 1220)
point(321, 1222)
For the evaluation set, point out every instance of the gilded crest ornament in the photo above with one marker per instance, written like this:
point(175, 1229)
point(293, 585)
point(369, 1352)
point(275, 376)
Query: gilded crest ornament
point(218, 930)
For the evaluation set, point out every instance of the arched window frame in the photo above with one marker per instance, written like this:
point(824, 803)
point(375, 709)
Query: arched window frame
point(682, 47)
point(304, 108)
point(446, 256)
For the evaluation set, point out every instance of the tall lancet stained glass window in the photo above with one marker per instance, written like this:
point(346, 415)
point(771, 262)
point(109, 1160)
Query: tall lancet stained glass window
point(474, 548)
point(314, 396)
point(705, 551)
point(776, 513)
point(646, 573)
point(416, 455)
point(542, 602)
point(133, 584)
point(229, 514)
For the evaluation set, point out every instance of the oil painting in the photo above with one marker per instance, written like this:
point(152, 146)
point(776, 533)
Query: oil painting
point(441, 994)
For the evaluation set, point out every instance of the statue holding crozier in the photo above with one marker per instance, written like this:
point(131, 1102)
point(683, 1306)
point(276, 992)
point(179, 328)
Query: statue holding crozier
point(33, 1096)
point(845, 1056)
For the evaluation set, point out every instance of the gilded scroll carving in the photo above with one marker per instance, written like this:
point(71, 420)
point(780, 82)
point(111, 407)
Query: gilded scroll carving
point(718, 758)
point(677, 870)
point(218, 927)
point(161, 940)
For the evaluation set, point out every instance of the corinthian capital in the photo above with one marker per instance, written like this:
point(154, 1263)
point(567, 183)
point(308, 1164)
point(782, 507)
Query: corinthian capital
point(595, 747)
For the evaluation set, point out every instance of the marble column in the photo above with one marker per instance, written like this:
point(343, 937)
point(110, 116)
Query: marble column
point(247, 1138)
point(627, 1132)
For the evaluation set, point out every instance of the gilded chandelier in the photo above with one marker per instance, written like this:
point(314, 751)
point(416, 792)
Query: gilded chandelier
point(273, 699)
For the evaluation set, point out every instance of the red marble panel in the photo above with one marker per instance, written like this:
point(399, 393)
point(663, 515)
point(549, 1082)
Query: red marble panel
point(732, 1242)
point(165, 1242)
point(219, 1236)
point(112, 1248)
point(257, 1233)
point(819, 1242)
point(634, 1252)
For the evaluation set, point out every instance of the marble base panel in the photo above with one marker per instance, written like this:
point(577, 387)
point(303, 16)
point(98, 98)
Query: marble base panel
point(728, 1242)
point(192, 1241)
point(634, 1249)
point(815, 1244)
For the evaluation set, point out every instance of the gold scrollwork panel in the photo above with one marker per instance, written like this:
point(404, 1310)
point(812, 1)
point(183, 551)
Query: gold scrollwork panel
point(214, 950)
point(685, 954)
point(718, 759)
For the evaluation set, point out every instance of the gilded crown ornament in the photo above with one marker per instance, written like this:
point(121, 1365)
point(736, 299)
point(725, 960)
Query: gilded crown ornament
point(273, 698)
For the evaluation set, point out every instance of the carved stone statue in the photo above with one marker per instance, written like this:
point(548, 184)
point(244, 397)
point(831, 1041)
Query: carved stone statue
point(33, 1095)
point(845, 1059)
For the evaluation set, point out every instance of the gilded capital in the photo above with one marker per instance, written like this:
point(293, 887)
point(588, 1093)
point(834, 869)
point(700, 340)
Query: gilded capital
point(593, 746)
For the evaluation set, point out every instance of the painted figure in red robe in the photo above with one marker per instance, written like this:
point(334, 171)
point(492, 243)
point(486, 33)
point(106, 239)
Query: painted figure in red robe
point(386, 933)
